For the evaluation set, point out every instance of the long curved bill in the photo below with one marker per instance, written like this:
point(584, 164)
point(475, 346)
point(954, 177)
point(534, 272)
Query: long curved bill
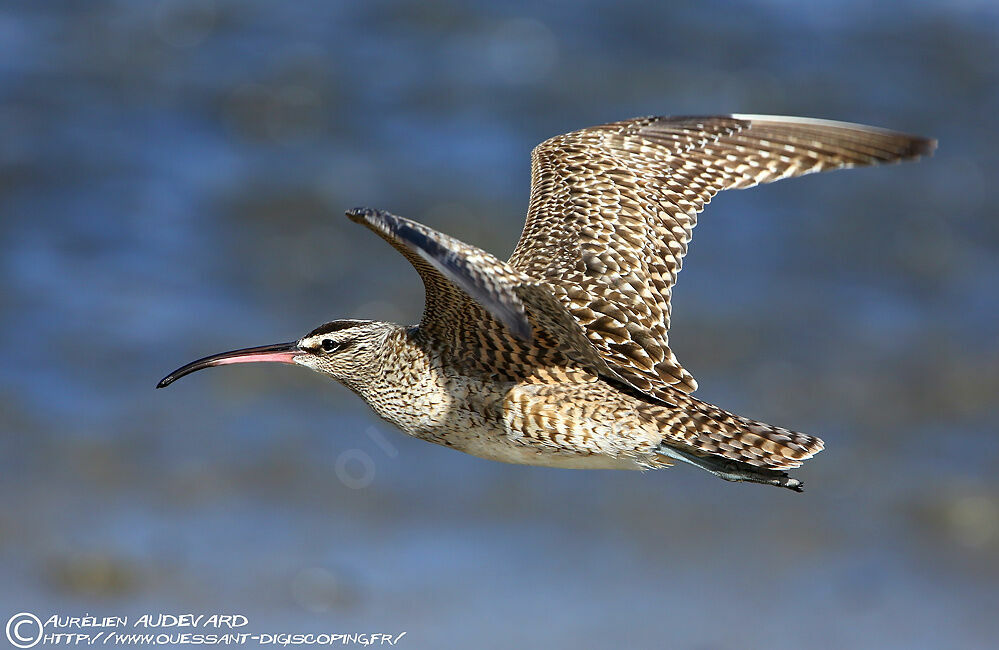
point(278, 353)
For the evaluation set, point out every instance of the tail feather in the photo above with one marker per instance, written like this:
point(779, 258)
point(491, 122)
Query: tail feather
point(703, 429)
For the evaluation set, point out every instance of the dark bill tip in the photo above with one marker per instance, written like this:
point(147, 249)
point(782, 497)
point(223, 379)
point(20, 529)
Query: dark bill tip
point(278, 353)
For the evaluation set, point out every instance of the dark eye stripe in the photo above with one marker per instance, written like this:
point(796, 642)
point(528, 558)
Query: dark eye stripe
point(334, 326)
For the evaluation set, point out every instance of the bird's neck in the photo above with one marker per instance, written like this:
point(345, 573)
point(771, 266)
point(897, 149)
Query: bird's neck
point(407, 385)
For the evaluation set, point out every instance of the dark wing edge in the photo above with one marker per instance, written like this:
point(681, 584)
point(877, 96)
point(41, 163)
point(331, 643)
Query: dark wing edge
point(453, 260)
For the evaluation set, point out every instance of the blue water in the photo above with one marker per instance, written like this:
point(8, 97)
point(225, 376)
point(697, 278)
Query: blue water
point(172, 180)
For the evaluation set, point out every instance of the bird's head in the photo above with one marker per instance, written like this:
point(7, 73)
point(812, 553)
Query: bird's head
point(349, 351)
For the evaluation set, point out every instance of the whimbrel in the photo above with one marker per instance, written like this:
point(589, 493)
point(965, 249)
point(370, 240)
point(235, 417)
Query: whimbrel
point(559, 356)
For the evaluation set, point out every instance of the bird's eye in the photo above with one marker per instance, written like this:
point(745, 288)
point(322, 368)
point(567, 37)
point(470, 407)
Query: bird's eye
point(328, 345)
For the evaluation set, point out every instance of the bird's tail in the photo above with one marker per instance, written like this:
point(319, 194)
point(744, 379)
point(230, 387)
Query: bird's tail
point(731, 446)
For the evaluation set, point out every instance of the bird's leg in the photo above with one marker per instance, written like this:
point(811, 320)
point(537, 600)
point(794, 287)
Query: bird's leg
point(731, 470)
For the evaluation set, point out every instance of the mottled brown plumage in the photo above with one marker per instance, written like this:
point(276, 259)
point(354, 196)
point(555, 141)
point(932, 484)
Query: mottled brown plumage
point(612, 210)
point(560, 356)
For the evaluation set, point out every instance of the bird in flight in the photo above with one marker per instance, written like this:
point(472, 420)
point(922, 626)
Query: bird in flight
point(560, 355)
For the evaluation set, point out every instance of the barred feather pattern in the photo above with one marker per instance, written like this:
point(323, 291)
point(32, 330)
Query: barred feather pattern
point(706, 429)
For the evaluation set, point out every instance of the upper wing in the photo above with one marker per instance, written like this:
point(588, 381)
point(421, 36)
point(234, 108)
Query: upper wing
point(452, 272)
point(483, 312)
point(612, 209)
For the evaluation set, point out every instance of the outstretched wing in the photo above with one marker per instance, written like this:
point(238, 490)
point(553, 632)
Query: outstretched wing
point(612, 209)
point(483, 312)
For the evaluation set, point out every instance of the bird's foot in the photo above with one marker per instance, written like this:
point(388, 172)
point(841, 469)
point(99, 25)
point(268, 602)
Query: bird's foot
point(731, 470)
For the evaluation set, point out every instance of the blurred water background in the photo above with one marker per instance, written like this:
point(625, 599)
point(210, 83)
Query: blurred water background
point(172, 182)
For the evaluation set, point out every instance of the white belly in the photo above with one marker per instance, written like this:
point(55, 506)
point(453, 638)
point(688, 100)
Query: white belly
point(493, 445)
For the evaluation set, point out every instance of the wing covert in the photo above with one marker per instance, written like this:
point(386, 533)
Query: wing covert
point(613, 206)
point(483, 311)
